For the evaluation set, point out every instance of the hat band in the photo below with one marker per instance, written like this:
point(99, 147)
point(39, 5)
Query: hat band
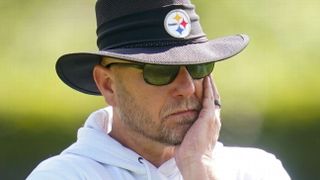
point(147, 29)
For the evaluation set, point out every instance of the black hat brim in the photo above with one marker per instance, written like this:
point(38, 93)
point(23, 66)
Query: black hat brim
point(76, 69)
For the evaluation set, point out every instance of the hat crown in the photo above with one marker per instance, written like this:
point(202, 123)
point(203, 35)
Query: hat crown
point(107, 10)
point(143, 24)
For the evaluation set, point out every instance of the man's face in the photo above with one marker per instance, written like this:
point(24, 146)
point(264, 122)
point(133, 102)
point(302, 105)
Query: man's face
point(160, 113)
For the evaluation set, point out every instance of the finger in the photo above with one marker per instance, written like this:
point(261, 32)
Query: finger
point(208, 107)
point(208, 95)
point(209, 110)
point(217, 101)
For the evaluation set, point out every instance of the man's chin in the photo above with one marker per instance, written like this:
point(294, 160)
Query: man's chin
point(176, 136)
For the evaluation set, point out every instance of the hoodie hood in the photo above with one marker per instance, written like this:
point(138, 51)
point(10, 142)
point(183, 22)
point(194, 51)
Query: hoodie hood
point(94, 142)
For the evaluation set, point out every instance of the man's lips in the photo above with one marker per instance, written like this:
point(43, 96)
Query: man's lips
point(188, 112)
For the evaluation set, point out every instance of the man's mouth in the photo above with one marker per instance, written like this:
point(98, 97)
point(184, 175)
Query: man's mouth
point(183, 113)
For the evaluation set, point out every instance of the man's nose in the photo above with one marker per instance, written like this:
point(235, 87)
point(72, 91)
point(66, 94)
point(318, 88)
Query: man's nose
point(183, 83)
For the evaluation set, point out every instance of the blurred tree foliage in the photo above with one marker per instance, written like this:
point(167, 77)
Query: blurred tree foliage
point(270, 91)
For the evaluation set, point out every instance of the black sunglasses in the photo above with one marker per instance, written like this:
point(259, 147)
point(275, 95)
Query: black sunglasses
point(160, 75)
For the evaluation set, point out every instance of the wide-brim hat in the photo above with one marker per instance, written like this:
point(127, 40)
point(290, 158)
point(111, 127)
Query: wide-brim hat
point(147, 31)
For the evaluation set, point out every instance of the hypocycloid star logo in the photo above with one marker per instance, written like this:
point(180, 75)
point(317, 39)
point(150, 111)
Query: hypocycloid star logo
point(177, 23)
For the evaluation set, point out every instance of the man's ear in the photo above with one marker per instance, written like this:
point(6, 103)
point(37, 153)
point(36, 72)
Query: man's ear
point(105, 82)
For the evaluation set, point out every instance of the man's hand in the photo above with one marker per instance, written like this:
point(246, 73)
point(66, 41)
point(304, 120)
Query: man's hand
point(194, 155)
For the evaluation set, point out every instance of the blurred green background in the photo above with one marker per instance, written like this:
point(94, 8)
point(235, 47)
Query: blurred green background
point(270, 91)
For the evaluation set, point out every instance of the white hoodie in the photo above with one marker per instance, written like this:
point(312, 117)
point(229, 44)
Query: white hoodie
point(98, 156)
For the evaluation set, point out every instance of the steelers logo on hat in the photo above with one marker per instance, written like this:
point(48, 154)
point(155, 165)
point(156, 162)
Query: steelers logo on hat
point(177, 23)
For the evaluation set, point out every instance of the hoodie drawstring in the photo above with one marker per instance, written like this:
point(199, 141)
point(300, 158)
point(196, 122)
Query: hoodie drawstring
point(140, 159)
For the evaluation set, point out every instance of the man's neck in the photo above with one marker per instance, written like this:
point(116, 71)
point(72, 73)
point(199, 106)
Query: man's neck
point(153, 151)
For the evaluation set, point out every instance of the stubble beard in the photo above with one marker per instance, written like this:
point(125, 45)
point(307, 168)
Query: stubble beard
point(137, 119)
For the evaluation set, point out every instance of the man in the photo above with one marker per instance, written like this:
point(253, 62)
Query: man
point(163, 122)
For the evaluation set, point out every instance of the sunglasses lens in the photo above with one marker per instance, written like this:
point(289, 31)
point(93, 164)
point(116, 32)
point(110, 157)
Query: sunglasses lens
point(164, 74)
point(159, 74)
point(199, 71)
